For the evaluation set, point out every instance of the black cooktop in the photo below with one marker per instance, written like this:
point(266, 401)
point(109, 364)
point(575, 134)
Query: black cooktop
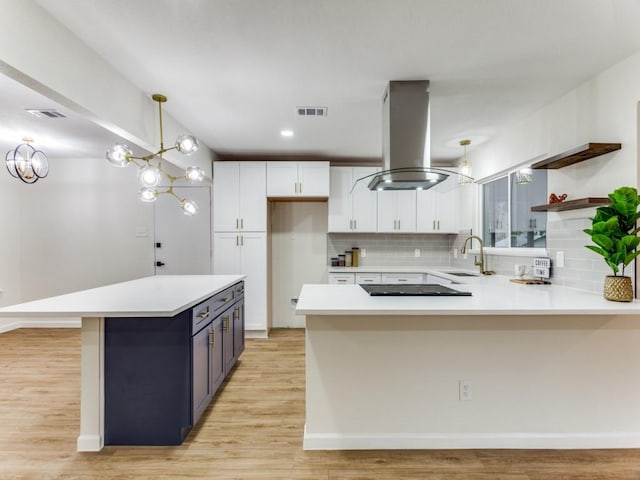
point(413, 290)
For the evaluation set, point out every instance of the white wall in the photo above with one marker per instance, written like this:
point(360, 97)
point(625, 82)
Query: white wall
point(603, 109)
point(298, 255)
point(73, 230)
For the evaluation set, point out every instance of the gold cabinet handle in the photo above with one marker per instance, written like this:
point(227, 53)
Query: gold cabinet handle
point(204, 314)
point(242, 223)
point(398, 224)
point(225, 319)
point(237, 223)
point(212, 338)
point(300, 187)
point(354, 225)
point(438, 224)
point(434, 224)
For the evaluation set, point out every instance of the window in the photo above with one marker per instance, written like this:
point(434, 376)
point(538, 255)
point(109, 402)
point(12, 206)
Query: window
point(507, 219)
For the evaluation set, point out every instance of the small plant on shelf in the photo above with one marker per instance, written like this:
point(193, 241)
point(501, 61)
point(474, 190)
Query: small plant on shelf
point(614, 233)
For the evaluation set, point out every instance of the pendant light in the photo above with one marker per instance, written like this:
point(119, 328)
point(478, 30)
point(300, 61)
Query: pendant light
point(465, 169)
point(150, 169)
point(27, 163)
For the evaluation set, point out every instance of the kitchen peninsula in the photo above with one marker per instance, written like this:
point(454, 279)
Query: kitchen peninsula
point(153, 352)
point(511, 366)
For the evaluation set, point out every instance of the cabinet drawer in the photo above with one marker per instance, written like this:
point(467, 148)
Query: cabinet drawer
point(223, 299)
point(238, 291)
point(368, 278)
point(341, 278)
point(201, 315)
point(394, 278)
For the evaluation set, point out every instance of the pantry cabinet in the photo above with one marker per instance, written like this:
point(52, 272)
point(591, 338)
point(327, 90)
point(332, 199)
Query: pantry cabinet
point(298, 179)
point(437, 211)
point(245, 253)
point(397, 211)
point(239, 196)
point(352, 211)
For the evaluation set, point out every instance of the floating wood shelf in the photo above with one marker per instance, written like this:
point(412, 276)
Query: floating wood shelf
point(575, 155)
point(572, 204)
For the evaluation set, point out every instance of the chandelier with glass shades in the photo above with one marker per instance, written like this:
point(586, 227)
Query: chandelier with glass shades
point(27, 163)
point(150, 171)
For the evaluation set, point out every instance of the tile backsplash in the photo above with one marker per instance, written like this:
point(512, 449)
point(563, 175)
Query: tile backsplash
point(393, 249)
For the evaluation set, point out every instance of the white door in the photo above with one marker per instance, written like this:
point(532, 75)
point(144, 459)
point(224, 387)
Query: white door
point(226, 253)
point(254, 266)
point(340, 218)
point(313, 179)
point(252, 196)
point(406, 211)
point(282, 179)
point(387, 220)
point(184, 242)
point(364, 201)
point(226, 187)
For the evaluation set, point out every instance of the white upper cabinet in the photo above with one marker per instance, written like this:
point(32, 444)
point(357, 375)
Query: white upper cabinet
point(437, 211)
point(352, 211)
point(297, 179)
point(239, 196)
point(397, 211)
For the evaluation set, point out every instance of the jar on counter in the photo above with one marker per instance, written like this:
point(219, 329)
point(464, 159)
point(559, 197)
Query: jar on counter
point(347, 259)
point(355, 256)
point(334, 261)
point(341, 260)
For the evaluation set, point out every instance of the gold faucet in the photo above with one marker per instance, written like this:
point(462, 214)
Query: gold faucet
point(479, 263)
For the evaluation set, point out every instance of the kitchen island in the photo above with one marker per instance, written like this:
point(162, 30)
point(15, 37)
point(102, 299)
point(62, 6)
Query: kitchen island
point(162, 316)
point(511, 366)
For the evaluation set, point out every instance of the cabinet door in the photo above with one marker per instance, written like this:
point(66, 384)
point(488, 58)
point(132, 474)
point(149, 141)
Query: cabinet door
point(226, 185)
point(254, 266)
point(226, 253)
point(313, 179)
point(238, 329)
point(216, 367)
point(406, 210)
point(447, 211)
point(253, 196)
point(226, 318)
point(364, 201)
point(426, 221)
point(202, 381)
point(340, 200)
point(387, 220)
point(282, 179)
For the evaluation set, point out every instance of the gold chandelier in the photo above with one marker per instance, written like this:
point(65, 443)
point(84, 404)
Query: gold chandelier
point(27, 163)
point(150, 170)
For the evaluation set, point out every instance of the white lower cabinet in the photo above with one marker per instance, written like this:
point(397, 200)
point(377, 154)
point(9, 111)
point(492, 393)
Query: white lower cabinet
point(341, 278)
point(245, 253)
point(399, 278)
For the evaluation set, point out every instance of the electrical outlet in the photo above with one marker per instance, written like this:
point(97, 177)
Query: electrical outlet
point(464, 390)
point(292, 303)
point(560, 259)
point(416, 252)
point(363, 252)
point(455, 253)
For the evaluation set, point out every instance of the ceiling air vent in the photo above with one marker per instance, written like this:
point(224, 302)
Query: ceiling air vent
point(46, 113)
point(312, 111)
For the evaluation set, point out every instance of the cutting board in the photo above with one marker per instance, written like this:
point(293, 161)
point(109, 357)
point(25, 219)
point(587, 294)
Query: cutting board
point(530, 281)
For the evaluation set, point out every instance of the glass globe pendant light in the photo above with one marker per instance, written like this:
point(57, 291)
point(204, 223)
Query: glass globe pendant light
point(150, 169)
point(465, 169)
point(27, 163)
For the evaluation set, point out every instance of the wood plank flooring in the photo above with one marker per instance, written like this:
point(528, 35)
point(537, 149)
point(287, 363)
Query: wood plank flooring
point(252, 430)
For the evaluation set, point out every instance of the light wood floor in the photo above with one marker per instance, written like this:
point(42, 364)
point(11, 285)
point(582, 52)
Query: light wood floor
point(252, 430)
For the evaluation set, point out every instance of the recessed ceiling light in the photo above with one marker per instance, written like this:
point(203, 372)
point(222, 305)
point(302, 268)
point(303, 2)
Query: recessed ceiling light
point(286, 133)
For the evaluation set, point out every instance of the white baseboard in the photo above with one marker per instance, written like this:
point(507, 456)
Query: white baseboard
point(402, 441)
point(89, 443)
point(257, 333)
point(41, 323)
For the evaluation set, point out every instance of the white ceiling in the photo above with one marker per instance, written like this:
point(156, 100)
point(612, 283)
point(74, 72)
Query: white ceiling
point(234, 70)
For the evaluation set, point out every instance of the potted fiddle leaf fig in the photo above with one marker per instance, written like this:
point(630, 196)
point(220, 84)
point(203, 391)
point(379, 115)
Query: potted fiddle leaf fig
point(614, 233)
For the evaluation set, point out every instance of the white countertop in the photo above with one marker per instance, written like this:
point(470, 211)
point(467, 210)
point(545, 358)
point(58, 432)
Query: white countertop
point(492, 295)
point(157, 296)
point(406, 269)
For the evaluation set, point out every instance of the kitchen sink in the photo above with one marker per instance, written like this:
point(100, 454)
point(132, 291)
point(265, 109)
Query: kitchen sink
point(462, 274)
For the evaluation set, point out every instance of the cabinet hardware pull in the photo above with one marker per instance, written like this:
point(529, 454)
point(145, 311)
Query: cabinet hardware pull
point(402, 279)
point(237, 240)
point(398, 224)
point(225, 319)
point(354, 225)
point(237, 223)
point(434, 224)
point(300, 187)
point(242, 240)
point(204, 314)
point(212, 338)
point(438, 224)
point(242, 223)
point(341, 280)
point(225, 299)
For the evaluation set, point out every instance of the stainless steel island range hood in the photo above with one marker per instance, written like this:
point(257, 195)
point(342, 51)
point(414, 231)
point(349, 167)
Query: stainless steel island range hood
point(405, 140)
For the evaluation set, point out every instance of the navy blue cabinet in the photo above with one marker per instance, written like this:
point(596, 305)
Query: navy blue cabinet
point(161, 373)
